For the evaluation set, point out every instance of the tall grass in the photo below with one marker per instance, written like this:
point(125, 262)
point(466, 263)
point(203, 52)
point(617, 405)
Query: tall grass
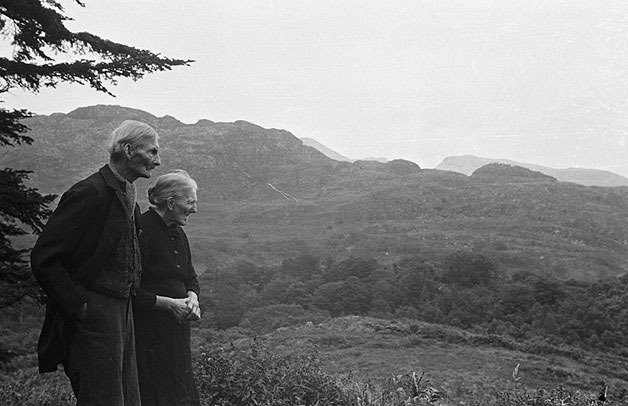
point(257, 375)
point(27, 387)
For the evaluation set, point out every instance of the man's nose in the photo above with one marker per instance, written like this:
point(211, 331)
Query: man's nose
point(157, 160)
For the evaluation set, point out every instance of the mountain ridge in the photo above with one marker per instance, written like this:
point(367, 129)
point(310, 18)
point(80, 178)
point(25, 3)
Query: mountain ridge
point(310, 142)
point(466, 164)
point(286, 197)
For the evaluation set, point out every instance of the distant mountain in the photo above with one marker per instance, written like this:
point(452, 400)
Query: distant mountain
point(310, 142)
point(235, 161)
point(376, 159)
point(589, 177)
point(500, 172)
point(265, 196)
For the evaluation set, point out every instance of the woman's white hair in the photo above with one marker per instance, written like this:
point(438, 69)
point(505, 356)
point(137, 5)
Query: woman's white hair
point(172, 184)
point(129, 132)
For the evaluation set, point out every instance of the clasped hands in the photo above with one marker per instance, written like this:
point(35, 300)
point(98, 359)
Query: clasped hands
point(185, 309)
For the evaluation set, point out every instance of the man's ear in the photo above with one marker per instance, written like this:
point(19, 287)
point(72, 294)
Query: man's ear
point(128, 150)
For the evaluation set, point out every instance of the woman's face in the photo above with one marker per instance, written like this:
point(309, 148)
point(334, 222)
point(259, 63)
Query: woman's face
point(180, 208)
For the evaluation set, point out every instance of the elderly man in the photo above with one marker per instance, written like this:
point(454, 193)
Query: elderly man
point(87, 261)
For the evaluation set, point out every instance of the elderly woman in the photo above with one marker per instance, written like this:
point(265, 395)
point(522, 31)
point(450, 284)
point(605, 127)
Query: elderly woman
point(167, 299)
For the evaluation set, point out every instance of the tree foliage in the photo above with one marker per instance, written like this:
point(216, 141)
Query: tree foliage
point(37, 32)
point(465, 290)
point(19, 206)
point(44, 54)
point(468, 268)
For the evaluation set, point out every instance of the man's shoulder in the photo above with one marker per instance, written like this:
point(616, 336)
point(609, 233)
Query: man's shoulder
point(93, 189)
point(94, 181)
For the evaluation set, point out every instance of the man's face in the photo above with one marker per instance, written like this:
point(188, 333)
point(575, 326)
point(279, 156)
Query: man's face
point(144, 158)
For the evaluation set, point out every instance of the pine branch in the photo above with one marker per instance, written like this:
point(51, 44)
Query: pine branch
point(11, 129)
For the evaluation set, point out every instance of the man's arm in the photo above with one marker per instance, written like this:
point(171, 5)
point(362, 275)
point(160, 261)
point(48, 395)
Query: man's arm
point(60, 238)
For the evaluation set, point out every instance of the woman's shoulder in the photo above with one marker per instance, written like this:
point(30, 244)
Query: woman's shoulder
point(150, 215)
point(151, 220)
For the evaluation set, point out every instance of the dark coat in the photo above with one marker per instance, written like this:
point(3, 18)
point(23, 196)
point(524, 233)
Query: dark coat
point(166, 262)
point(164, 358)
point(79, 238)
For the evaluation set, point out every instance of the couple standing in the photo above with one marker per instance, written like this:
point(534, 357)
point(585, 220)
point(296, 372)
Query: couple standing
point(121, 286)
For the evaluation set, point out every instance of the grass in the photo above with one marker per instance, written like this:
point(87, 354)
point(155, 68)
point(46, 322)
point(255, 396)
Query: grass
point(26, 387)
point(373, 350)
point(371, 359)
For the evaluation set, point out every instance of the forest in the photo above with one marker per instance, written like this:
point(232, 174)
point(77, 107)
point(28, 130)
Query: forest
point(466, 290)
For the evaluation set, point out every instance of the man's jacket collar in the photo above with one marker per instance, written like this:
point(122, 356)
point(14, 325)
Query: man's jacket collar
point(110, 179)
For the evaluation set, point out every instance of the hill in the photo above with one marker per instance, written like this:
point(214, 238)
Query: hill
point(588, 177)
point(512, 172)
point(336, 156)
point(265, 196)
point(461, 277)
point(310, 142)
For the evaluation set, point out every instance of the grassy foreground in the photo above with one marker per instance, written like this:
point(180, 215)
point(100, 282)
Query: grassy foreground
point(361, 361)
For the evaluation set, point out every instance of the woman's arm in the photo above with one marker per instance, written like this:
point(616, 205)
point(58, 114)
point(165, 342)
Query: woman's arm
point(191, 284)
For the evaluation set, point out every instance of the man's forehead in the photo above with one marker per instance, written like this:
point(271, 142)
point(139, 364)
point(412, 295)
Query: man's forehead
point(150, 142)
point(189, 194)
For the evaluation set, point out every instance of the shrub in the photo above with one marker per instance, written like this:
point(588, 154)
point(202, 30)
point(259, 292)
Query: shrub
point(399, 390)
point(556, 397)
point(258, 377)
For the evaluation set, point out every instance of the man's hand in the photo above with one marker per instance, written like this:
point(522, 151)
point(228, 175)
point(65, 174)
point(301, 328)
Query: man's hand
point(81, 313)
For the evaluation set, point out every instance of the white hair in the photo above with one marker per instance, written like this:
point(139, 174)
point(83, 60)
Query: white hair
point(172, 184)
point(129, 132)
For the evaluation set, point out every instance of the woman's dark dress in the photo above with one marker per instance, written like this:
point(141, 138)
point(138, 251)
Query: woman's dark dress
point(164, 359)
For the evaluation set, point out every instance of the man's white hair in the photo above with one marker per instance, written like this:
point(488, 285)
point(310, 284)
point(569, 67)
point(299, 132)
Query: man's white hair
point(129, 132)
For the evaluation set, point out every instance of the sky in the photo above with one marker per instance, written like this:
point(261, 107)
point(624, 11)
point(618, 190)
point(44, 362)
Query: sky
point(535, 81)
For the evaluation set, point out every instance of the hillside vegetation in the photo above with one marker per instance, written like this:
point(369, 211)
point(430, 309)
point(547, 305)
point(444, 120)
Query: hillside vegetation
point(286, 197)
point(494, 285)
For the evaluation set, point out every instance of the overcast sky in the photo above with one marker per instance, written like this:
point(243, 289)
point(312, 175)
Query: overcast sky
point(536, 81)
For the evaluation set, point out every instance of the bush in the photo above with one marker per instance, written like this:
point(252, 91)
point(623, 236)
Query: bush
point(258, 377)
point(556, 397)
point(399, 390)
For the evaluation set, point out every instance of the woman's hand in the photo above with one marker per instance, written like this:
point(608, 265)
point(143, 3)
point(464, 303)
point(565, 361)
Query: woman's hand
point(177, 307)
point(186, 309)
point(193, 307)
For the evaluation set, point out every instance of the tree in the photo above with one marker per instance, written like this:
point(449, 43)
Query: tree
point(468, 268)
point(19, 205)
point(302, 266)
point(359, 267)
point(343, 297)
point(224, 301)
point(46, 53)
